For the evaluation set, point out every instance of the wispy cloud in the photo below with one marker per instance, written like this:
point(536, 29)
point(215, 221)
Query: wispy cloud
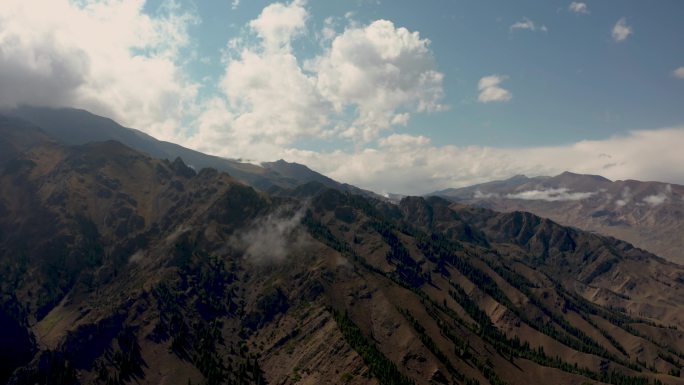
point(621, 30)
point(235, 4)
point(273, 237)
point(578, 7)
point(480, 195)
point(679, 72)
point(655, 200)
point(527, 24)
point(626, 197)
point(551, 195)
point(490, 91)
point(660, 198)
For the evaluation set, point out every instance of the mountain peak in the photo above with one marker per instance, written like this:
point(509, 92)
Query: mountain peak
point(568, 174)
point(182, 169)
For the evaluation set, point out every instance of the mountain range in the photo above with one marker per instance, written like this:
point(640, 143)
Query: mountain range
point(73, 127)
point(120, 266)
point(649, 215)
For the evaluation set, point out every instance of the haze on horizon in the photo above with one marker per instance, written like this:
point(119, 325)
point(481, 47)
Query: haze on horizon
point(389, 96)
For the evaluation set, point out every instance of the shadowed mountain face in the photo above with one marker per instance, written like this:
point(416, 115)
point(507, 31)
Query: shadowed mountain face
point(121, 268)
point(76, 127)
point(648, 214)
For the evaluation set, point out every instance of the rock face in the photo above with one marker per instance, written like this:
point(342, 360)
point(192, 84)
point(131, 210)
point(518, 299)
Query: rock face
point(121, 268)
point(649, 215)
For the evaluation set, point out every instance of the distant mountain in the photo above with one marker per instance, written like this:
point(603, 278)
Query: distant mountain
point(648, 214)
point(76, 127)
point(121, 268)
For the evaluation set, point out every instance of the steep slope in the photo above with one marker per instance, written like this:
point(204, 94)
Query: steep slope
point(648, 214)
point(120, 268)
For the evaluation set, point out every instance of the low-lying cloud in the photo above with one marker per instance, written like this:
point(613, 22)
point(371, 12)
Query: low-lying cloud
point(625, 197)
point(660, 198)
point(273, 237)
point(414, 165)
point(551, 195)
point(480, 195)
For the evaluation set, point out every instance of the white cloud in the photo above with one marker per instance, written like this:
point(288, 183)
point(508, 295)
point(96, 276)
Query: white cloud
point(395, 141)
point(655, 200)
point(278, 24)
point(382, 72)
point(621, 30)
point(272, 238)
point(108, 57)
point(660, 198)
point(679, 73)
point(112, 58)
point(367, 79)
point(490, 90)
point(235, 4)
point(527, 24)
point(418, 167)
point(480, 195)
point(271, 98)
point(626, 197)
point(551, 195)
point(578, 7)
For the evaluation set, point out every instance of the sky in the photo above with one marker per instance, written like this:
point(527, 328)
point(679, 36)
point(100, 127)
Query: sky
point(394, 96)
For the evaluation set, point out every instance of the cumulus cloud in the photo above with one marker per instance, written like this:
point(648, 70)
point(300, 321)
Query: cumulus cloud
point(551, 195)
point(381, 71)
point(279, 23)
point(419, 166)
point(621, 30)
point(108, 57)
point(115, 59)
point(679, 73)
point(367, 79)
point(490, 91)
point(527, 24)
point(578, 7)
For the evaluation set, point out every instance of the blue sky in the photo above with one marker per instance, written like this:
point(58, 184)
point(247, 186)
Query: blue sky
point(569, 83)
point(399, 96)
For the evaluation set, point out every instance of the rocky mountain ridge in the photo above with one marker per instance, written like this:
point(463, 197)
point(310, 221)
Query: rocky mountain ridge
point(121, 268)
point(648, 214)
